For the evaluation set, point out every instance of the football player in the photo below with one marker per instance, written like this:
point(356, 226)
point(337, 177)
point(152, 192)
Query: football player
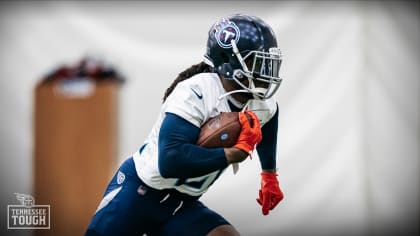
point(157, 190)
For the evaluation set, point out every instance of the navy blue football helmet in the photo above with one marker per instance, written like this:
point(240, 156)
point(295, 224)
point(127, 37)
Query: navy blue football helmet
point(242, 47)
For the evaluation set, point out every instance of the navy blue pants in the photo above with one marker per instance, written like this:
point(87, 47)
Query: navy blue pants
point(129, 207)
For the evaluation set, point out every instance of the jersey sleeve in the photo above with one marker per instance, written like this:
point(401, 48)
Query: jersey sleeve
point(187, 101)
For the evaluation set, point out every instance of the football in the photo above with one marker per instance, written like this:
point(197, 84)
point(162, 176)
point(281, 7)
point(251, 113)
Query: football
point(220, 131)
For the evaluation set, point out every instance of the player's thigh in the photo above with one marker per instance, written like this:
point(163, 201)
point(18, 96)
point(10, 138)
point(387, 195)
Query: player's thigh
point(193, 219)
point(122, 210)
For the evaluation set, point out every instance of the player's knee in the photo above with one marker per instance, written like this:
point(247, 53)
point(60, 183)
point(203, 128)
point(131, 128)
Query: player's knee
point(224, 230)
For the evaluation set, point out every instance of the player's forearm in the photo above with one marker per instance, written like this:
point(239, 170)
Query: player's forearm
point(267, 148)
point(234, 155)
point(188, 161)
point(179, 157)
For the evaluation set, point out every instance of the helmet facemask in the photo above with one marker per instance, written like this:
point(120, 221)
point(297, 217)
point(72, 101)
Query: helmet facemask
point(261, 67)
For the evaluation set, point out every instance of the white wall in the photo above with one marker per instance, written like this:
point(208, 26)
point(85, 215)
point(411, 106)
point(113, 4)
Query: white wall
point(349, 132)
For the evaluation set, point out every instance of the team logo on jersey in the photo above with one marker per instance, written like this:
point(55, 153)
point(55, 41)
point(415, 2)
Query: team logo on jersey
point(225, 32)
point(120, 177)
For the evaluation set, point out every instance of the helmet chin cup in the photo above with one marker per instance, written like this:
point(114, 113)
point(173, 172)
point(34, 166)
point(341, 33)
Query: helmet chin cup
point(259, 93)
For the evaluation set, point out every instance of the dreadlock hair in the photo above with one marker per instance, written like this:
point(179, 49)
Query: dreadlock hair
point(186, 74)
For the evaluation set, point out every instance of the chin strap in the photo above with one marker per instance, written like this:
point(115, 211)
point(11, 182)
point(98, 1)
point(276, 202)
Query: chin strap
point(232, 92)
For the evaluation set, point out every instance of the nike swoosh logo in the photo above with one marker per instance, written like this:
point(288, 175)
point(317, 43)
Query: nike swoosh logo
point(200, 96)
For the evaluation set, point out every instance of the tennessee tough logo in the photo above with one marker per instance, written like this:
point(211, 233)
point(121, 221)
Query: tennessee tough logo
point(225, 31)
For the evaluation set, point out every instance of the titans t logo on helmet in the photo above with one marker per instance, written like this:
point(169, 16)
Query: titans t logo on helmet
point(225, 31)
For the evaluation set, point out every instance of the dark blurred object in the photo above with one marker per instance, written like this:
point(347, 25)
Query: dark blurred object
point(88, 68)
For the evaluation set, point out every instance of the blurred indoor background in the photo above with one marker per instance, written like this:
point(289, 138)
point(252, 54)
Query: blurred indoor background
point(349, 127)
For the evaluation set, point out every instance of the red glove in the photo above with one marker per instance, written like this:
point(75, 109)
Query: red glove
point(270, 194)
point(250, 135)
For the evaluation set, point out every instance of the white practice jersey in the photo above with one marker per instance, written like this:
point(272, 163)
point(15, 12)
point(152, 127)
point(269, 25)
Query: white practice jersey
point(196, 99)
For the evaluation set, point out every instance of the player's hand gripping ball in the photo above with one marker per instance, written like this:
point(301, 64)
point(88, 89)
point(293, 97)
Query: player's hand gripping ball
point(227, 129)
point(251, 133)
